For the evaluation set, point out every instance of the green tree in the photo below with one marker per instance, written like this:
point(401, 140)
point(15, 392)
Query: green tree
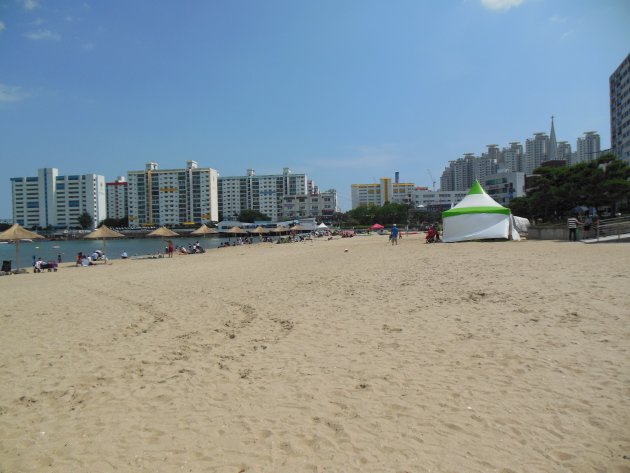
point(555, 192)
point(115, 222)
point(85, 220)
point(250, 216)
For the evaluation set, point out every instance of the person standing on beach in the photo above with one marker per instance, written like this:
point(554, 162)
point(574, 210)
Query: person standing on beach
point(171, 248)
point(572, 223)
point(394, 235)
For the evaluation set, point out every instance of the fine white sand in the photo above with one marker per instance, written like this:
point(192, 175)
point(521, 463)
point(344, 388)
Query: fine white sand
point(471, 357)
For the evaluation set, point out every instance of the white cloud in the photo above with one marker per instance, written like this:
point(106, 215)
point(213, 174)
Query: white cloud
point(2, 27)
point(12, 94)
point(37, 22)
point(501, 4)
point(30, 5)
point(41, 35)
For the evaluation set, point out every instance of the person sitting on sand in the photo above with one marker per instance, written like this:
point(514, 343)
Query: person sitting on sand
point(124, 255)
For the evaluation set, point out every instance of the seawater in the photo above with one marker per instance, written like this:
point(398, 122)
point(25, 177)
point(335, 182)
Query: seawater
point(49, 250)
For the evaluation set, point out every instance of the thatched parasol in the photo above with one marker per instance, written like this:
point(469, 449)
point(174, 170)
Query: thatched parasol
point(260, 230)
point(102, 233)
point(163, 233)
point(279, 229)
point(204, 230)
point(16, 233)
point(236, 231)
point(298, 228)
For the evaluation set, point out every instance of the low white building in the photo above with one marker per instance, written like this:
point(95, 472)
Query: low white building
point(321, 205)
point(504, 186)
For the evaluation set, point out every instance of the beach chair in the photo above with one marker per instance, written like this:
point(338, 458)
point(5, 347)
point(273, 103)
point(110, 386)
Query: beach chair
point(6, 266)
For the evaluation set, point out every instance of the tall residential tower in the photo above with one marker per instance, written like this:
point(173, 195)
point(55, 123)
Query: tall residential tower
point(620, 110)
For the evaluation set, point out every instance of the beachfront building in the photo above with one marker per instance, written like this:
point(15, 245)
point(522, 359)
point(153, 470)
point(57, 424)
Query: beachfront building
point(504, 186)
point(317, 205)
point(264, 193)
point(172, 196)
point(406, 193)
point(385, 191)
point(588, 147)
point(619, 83)
point(50, 200)
point(117, 204)
point(423, 198)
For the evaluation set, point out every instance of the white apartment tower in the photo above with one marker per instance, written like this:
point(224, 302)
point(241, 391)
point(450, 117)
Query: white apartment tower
point(535, 152)
point(117, 206)
point(264, 193)
point(51, 200)
point(564, 152)
point(513, 157)
point(172, 196)
point(619, 83)
point(588, 147)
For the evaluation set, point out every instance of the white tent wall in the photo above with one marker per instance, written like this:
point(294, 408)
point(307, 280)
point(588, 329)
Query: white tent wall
point(476, 226)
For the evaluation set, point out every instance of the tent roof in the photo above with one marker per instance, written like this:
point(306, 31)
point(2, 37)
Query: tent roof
point(476, 202)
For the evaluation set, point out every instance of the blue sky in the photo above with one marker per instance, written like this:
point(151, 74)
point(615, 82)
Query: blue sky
point(346, 91)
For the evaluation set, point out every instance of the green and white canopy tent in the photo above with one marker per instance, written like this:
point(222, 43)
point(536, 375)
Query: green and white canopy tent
point(478, 217)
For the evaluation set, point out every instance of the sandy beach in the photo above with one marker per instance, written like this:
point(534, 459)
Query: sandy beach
point(470, 357)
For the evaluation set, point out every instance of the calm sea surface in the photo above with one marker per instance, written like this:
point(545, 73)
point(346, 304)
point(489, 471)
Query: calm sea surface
point(49, 250)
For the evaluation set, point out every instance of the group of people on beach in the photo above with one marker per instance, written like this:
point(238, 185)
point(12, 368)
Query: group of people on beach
point(90, 260)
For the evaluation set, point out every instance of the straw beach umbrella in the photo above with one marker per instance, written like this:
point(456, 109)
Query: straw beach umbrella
point(260, 231)
point(204, 230)
point(16, 233)
point(298, 228)
point(236, 231)
point(280, 229)
point(163, 233)
point(101, 233)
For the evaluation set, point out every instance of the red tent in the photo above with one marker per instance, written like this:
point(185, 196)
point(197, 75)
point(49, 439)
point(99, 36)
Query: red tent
point(377, 226)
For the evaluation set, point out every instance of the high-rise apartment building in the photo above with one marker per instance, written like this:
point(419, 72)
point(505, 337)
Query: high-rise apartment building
point(588, 147)
point(264, 193)
point(512, 157)
point(619, 83)
point(172, 196)
point(564, 152)
point(51, 200)
point(461, 173)
point(117, 204)
point(535, 152)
